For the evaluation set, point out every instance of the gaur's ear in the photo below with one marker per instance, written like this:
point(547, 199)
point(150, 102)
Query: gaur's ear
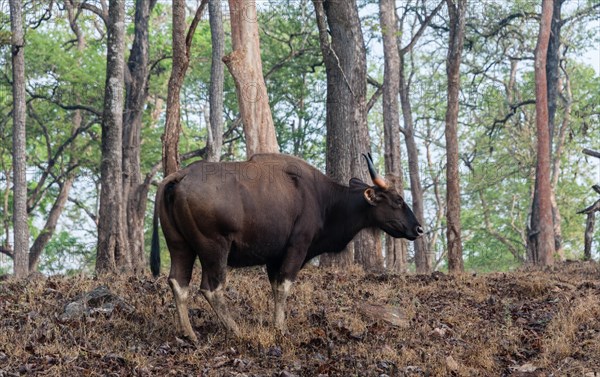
point(355, 182)
point(371, 196)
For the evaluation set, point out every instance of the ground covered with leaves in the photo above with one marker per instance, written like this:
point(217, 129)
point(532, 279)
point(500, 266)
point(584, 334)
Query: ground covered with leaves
point(340, 323)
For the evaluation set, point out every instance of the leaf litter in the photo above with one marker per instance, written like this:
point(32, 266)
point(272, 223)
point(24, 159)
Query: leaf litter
point(531, 322)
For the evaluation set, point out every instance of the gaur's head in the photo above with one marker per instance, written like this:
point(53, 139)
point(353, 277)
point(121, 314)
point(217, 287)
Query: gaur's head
point(388, 211)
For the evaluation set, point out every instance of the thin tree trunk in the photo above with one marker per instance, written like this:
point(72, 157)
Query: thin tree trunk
point(6, 210)
point(552, 74)
point(112, 249)
point(589, 236)
point(515, 250)
point(182, 43)
point(552, 65)
point(170, 138)
point(562, 132)
point(423, 259)
point(136, 94)
point(53, 216)
point(65, 187)
point(396, 249)
point(52, 219)
point(20, 224)
point(440, 205)
point(423, 255)
point(456, 11)
point(541, 238)
point(215, 128)
point(245, 65)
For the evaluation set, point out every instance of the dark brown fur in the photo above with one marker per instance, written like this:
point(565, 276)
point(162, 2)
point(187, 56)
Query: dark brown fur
point(272, 210)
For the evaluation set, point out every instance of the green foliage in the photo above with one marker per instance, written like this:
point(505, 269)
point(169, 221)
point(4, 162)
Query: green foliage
point(65, 254)
point(295, 79)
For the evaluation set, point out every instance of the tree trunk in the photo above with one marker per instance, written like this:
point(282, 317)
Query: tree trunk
point(338, 166)
point(112, 248)
point(245, 65)
point(53, 216)
point(52, 219)
point(215, 129)
point(558, 151)
point(552, 75)
point(180, 62)
point(456, 11)
point(347, 134)
point(541, 238)
point(396, 249)
point(136, 94)
point(423, 259)
point(589, 236)
point(182, 44)
point(20, 224)
point(423, 256)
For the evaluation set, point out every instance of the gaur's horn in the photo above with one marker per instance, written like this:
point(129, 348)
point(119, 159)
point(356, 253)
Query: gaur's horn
point(375, 177)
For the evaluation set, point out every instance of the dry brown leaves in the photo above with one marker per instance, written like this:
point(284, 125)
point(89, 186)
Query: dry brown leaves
point(341, 323)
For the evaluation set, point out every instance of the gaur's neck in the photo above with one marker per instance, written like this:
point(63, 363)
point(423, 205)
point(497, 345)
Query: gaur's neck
point(346, 214)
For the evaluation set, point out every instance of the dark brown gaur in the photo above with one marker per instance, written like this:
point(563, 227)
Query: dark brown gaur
point(273, 210)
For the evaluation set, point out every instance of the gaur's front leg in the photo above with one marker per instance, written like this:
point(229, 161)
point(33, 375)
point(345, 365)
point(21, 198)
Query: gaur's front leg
point(281, 277)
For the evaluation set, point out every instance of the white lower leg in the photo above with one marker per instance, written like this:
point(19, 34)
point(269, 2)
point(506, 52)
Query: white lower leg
point(281, 291)
point(181, 296)
point(216, 299)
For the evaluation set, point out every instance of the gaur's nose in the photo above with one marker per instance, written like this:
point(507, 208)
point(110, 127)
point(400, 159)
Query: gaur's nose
point(419, 230)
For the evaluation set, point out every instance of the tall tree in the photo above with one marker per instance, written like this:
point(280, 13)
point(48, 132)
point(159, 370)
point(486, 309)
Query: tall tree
point(396, 249)
point(343, 49)
point(135, 190)
point(112, 247)
point(423, 256)
point(59, 167)
point(245, 65)
point(20, 224)
point(541, 245)
point(552, 75)
point(456, 12)
point(182, 43)
point(215, 129)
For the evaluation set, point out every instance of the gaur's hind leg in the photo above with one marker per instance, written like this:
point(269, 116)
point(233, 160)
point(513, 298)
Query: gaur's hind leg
point(182, 264)
point(214, 280)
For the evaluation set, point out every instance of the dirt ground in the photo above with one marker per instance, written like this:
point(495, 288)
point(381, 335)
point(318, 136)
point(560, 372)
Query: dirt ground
point(341, 323)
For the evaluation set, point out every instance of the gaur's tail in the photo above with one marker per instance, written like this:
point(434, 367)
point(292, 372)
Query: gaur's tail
point(155, 245)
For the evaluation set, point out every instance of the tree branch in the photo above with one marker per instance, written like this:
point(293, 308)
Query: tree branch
point(421, 30)
point(97, 11)
point(579, 14)
point(6, 250)
point(190, 34)
point(504, 22)
point(66, 107)
point(374, 98)
point(81, 206)
point(513, 111)
point(44, 17)
point(590, 152)
point(593, 208)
